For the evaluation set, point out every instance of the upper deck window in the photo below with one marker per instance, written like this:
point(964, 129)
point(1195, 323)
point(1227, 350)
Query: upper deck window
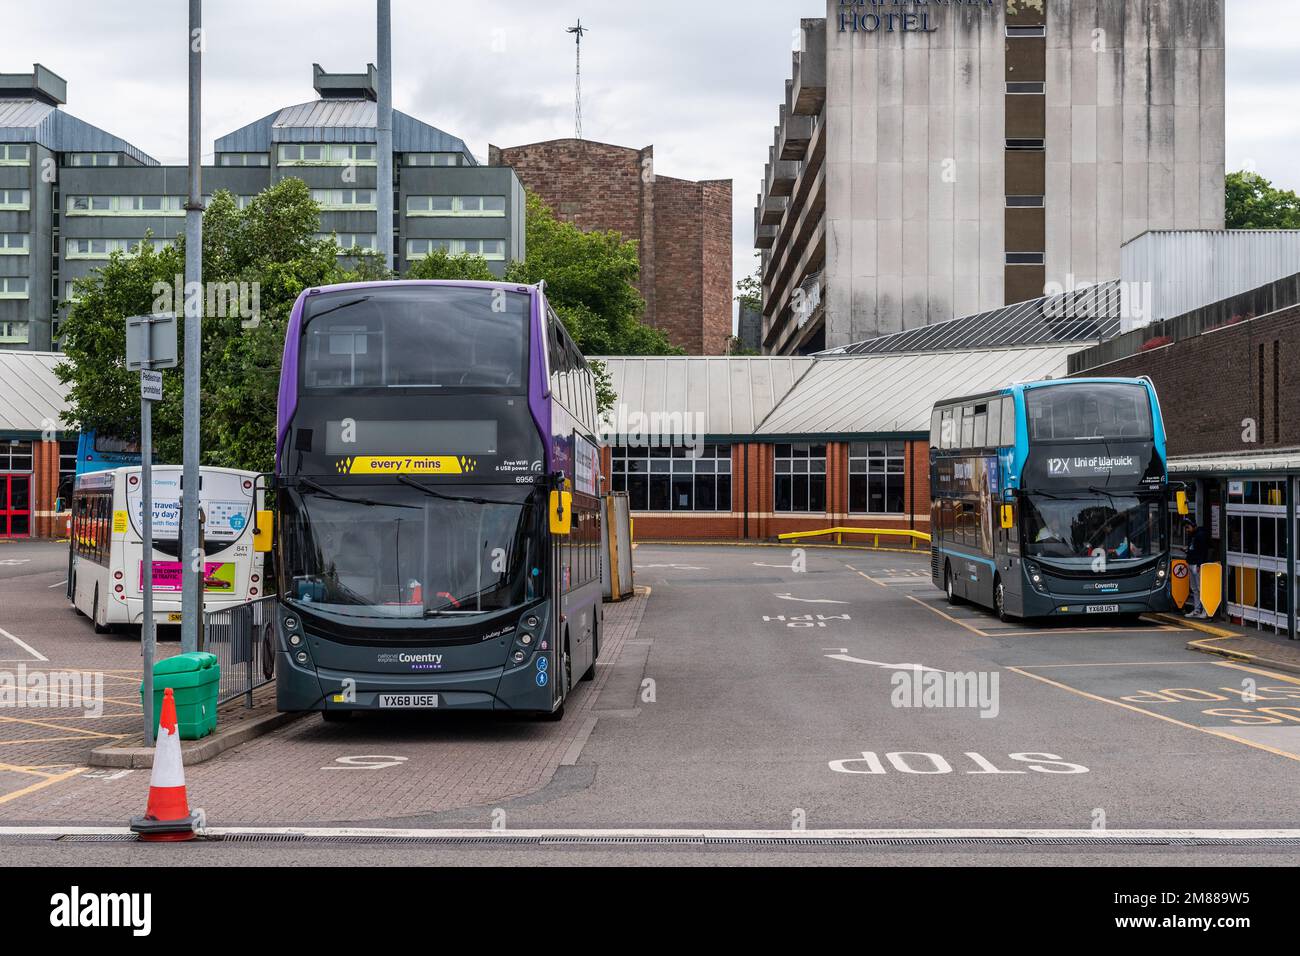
point(417, 337)
point(1088, 410)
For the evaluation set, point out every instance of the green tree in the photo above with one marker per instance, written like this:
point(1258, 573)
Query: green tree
point(270, 247)
point(749, 292)
point(591, 282)
point(1251, 202)
point(439, 265)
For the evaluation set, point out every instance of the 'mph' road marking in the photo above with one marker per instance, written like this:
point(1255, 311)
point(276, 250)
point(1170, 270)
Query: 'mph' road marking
point(24, 645)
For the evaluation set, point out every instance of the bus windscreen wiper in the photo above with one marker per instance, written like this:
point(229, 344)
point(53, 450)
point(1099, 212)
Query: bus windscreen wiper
point(322, 490)
point(472, 500)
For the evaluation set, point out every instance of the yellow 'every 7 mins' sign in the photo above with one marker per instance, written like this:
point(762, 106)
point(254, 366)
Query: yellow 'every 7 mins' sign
point(405, 465)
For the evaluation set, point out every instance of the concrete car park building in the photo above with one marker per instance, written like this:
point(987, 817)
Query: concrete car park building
point(933, 160)
point(106, 195)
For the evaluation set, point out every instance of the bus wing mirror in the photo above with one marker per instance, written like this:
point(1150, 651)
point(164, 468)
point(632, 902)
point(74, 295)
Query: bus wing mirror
point(263, 531)
point(1008, 517)
point(1181, 498)
point(561, 511)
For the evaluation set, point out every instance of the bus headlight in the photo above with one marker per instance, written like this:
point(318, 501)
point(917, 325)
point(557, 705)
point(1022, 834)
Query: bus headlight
point(1035, 577)
point(1162, 570)
point(291, 624)
point(302, 657)
point(295, 639)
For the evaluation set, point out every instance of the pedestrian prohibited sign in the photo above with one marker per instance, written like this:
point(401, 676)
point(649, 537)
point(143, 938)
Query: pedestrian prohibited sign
point(1180, 585)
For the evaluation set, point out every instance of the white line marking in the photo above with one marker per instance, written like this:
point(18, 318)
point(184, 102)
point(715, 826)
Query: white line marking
point(24, 645)
point(843, 655)
point(791, 597)
point(59, 585)
point(564, 833)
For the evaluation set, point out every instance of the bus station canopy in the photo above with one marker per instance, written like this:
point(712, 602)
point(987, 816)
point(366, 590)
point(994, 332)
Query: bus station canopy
point(769, 397)
point(31, 395)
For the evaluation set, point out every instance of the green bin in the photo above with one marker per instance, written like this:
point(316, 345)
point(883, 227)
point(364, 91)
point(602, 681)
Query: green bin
point(194, 680)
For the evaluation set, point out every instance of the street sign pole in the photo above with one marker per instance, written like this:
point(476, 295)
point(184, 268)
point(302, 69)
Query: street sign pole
point(146, 354)
point(148, 633)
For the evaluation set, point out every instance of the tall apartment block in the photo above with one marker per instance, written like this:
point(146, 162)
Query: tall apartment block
point(683, 228)
point(934, 160)
point(71, 195)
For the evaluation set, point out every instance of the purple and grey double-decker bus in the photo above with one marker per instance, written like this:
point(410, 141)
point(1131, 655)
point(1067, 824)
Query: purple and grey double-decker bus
point(437, 482)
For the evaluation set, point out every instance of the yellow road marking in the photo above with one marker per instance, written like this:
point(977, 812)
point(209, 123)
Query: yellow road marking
point(51, 740)
point(868, 577)
point(37, 723)
point(947, 617)
point(42, 784)
point(1118, 664)
point(1256, 670)
point(1151, 713)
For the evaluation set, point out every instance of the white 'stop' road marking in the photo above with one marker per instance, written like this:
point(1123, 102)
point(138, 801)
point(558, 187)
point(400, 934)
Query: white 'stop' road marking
point(24, 645)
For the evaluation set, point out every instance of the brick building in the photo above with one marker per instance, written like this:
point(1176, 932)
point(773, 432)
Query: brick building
point(1228, 376)
point(683, 227)
point(752, 447)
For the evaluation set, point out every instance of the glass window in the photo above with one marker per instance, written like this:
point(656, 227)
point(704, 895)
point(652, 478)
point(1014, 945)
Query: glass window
point(800, 477)
point(416, 337)
point(15, 455)
point(877, 474)
point(685, 479)
point(1088, 410)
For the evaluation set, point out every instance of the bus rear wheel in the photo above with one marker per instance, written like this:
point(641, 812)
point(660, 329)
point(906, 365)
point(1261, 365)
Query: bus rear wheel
point(948, 588)
point(94, 615)
point(590, 672)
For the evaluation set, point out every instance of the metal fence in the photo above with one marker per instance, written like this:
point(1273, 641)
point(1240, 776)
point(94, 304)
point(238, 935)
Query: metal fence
point(243, 639)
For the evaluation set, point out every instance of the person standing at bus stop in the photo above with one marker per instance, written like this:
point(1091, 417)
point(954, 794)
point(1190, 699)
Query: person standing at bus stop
point(1198, 552)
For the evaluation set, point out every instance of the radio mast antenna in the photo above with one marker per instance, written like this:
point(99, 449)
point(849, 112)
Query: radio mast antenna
point(577, 32)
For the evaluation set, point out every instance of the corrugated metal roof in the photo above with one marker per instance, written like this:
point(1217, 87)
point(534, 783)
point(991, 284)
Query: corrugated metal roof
point(894, 393)
point(1089, 314)
point(336, 121)
point(1186, 269)
point(32, 121)
point(30, 395)
point(1284, 460)
point(23, 113)
point(733, 394)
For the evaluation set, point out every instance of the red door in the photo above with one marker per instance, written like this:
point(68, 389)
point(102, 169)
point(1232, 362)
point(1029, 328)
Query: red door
point(15, 506)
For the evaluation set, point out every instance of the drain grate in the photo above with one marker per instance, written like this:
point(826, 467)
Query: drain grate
point(688, 840)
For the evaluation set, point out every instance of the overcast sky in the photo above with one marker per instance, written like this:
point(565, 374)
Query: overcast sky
point(699, 80)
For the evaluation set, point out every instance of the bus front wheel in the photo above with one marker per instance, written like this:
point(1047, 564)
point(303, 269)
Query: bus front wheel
point(1000, 602)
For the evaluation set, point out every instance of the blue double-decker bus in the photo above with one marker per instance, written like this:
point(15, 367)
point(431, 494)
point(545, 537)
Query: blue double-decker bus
point(437, 480)
point(1050, 499)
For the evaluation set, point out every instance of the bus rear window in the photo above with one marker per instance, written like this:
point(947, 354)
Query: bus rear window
point(1070, 411)
point(417, 337)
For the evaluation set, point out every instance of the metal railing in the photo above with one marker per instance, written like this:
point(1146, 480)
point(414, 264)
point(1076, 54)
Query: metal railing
point(875, 533)
point(243, 639)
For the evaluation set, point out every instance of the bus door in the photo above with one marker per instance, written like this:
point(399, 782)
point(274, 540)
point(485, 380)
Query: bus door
point(1007, 544)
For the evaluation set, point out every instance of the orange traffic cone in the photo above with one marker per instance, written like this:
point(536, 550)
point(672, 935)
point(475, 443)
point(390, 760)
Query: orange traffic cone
point(167, 816)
